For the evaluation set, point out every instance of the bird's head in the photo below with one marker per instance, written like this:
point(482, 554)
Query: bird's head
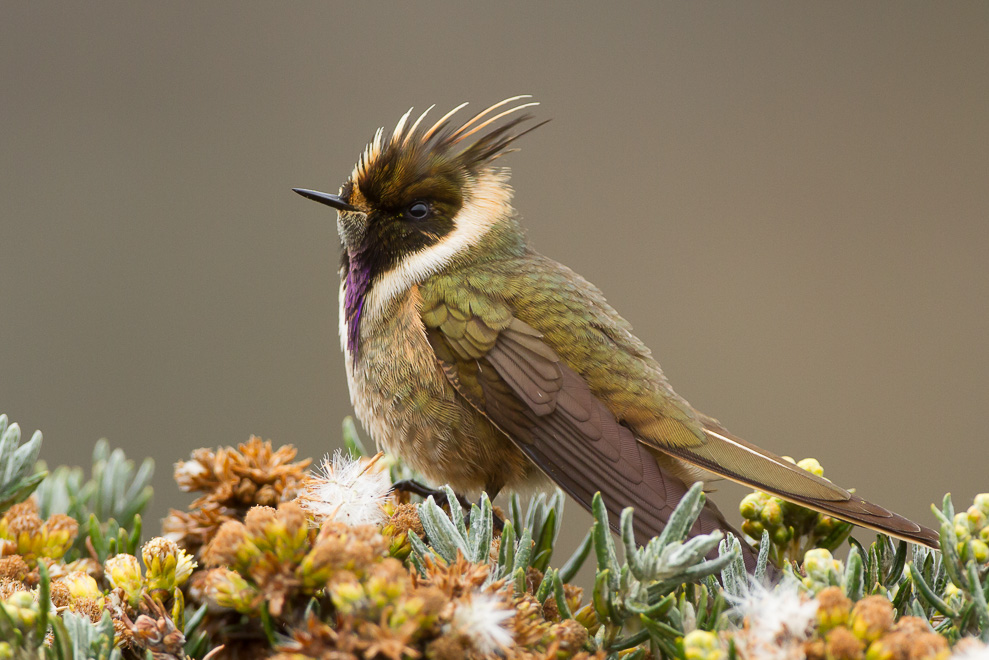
point(422, 197)
point(413, 190)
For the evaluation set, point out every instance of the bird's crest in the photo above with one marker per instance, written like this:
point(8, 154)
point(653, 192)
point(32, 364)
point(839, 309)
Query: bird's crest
point(416, 152)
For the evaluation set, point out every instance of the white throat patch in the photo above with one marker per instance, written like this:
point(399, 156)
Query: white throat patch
point(486, 204)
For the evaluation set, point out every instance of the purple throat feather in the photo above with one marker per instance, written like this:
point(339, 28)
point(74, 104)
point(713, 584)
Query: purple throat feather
point(356, 288)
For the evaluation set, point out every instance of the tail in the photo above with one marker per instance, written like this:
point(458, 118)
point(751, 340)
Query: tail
point(733, 458)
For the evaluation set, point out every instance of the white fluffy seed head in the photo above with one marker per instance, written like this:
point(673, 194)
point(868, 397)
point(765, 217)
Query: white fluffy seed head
point(479, 617)
point(779, 621)
point(347, 490)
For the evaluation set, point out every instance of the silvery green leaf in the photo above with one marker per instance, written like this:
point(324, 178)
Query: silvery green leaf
point(419, 551)
point(515, 511)
point(523, 553)
point(9, 439)
point(536, 513)
point(24, 458)
point(695, 549)
point(632, 554)
point(604, 546)
point(949, 545)
point(480, 533)
point(691, 574)
point(89, 640)
point(545, 587)
point(506, 550)
point(442, 533)
point(456, 513)
point(925, 593)
point(684, 515)
point(762, 561)
point(543, 546)
point(733, 574)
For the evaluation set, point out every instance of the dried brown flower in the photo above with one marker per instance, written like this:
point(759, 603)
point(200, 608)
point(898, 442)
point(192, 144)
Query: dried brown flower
point(232, 480)
point(455, 579)
point(405, 520)
point(13, 567)
point(843, 645)
point(871, 617)
point(909, 646)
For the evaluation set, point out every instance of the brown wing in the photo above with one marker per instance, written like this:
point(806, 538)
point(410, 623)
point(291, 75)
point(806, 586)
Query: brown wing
point(519, 383)
point(556, 368)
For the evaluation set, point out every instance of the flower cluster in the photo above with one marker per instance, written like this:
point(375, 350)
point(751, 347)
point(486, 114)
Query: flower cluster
point(232, 481)
point(972, 530)
point(270, 562)
point(24, 533)
point(792, 528)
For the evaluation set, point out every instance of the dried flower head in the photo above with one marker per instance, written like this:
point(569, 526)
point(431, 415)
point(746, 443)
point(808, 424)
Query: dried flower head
point(347, 490)
point(232, 480)
point(871, 618)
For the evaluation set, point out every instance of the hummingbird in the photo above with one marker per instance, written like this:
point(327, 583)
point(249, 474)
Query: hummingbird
point(488, 366)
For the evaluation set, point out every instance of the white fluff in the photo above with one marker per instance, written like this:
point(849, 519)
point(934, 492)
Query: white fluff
point(778, 622)
point(479, 618)
point(975, 652)
point(348, 491)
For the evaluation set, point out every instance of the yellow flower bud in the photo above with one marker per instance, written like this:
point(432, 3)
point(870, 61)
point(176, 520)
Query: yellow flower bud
point(81, 585)
point(781, 535)
point(124, 572)
point(819, 565)
point(702, 645)
point(812, 466)
point(346, 596)
point(751, 505)
point(772, 513)
point(982, 503)
point(753, 529)
point(229, 589)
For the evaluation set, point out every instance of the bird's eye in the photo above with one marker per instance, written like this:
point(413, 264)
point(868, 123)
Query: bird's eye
point(417, 210)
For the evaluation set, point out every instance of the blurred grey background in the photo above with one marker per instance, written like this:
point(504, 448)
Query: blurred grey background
point(789, 201)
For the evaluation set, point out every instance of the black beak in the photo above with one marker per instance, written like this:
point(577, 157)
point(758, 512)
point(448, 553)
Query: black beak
point(326, 198)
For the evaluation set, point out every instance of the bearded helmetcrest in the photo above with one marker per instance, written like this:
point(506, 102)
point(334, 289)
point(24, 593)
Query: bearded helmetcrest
point(426, 194)
point(420, 150)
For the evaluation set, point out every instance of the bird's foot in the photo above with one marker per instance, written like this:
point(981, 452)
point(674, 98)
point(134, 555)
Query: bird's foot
point(440, 497)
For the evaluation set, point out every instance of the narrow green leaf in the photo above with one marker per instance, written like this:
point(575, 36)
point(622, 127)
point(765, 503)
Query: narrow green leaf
point(981, 608)
point(544, 547)
point(44, 601)
point(854, 574)
point(268, 624)
point(577, 559)
point(925, 592)
point(523, 555)
point(561, 599)
point(506, 549)
point(518, 579)
point(895, 573)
